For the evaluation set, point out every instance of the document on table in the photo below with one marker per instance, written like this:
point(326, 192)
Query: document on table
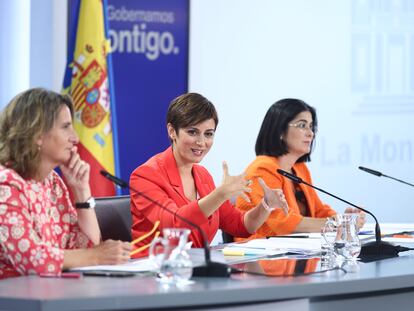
point(404, 240)
point(305, 246)
point(388, 228)
point(137, 265)
point(147, 265)
point(278, 246)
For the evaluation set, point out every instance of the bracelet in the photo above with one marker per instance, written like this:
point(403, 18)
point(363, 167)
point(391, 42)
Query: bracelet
point(267, 207)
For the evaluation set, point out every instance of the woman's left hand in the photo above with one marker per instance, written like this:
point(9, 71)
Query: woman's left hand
point(361, 216)
point(274, 198)
point(76, 173)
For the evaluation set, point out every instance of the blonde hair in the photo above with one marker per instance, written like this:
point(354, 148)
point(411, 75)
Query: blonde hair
point(23, 120)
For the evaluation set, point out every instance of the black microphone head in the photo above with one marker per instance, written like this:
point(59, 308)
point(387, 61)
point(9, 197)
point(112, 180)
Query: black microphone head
point(104, 173)
point(368, 170)
point(292, 177)
point(117, 181)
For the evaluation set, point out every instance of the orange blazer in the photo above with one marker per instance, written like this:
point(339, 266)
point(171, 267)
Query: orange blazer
point(160, 180)
point(278, 223)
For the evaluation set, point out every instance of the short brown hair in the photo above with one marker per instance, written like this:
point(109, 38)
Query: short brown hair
point(190, 109)
point(23, 120)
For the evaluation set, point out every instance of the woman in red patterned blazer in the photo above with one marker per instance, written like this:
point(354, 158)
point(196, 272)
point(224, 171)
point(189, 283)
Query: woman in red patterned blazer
point(40, 230)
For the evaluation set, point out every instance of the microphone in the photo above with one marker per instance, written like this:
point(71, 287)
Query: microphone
point(210, 268)
point(370, 251)
point(379, 174)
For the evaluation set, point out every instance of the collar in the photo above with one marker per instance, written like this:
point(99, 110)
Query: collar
point(174, 177)
point(171, 168)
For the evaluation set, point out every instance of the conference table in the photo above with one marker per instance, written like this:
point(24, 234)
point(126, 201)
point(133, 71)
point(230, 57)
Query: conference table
point(382, 285)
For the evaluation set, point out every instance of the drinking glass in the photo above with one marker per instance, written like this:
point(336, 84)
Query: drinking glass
point(341, 233)
point(170, 256)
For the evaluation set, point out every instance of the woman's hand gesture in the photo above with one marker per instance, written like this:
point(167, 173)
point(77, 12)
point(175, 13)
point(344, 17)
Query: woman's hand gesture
point(233, 186)
point(273, 198)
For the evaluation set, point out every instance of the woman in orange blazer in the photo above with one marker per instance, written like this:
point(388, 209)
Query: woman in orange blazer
point(285, 142)
point(174, 179)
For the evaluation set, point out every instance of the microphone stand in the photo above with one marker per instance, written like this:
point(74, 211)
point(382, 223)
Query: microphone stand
point(379, 174)
point(210, 268)
point(370, 251)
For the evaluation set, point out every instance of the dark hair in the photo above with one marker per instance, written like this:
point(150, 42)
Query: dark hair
point(190, 109)
point(23, 120)
point(276, 123)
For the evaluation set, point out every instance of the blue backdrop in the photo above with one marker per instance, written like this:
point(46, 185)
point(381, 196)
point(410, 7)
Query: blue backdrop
point(149, 40)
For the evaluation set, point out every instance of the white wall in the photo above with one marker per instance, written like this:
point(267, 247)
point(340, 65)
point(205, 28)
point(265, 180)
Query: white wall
point(14, 48)
point(48, 43)
point(352, 60)
point(33, 45)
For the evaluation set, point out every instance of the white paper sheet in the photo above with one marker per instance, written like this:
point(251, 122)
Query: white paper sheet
point(306, 246)
point(137, 265)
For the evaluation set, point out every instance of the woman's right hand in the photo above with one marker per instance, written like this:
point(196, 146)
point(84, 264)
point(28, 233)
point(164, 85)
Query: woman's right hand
point(233, 186)
point(111, 252)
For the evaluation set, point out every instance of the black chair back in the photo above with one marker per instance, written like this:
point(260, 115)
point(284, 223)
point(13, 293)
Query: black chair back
point(114, 217)
point(227, 238)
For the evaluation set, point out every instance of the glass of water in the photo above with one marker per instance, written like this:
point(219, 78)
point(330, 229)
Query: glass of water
point(170, 256)
point(341, 234)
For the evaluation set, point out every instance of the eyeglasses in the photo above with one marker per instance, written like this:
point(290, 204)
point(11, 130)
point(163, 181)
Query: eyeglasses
point(304, 126)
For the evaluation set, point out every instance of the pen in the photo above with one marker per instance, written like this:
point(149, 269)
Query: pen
point(242, 246)
point(288, 236)
point(366, 232)
point(237, 253)
point(63, 275)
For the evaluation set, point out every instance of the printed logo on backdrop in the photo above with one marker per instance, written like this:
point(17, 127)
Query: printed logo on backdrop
point(382, 83)
point(143, 34)
point(149, 45)
point(382, 56)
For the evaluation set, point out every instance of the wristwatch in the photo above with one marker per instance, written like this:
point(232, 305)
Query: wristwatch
point(90, 203)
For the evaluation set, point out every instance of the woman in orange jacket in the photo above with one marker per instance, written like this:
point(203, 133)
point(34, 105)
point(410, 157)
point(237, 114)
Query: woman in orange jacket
point(285, 142)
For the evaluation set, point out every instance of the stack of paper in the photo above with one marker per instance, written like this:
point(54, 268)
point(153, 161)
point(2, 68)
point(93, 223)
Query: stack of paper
point(139, 265)
point(274, 246)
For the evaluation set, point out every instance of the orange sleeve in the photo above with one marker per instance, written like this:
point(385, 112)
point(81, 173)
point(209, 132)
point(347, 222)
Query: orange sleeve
point(319, 209)
point(322, 210)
